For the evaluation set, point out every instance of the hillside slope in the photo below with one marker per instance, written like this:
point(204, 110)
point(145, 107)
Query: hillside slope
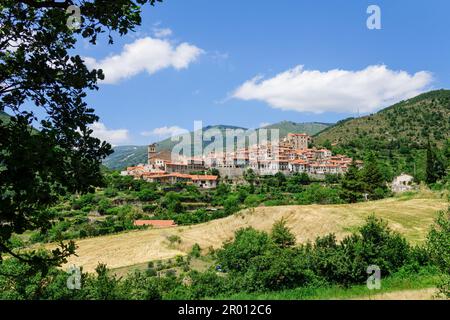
point(409, 122)
point(411, 217)
point(4, 116)
point(124, 156)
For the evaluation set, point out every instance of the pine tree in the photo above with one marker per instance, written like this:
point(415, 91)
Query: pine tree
point(436, 165)
point(373, 179)
point(352, 185)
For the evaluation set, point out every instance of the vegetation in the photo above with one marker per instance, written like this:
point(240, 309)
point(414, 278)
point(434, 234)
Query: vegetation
point(122, 200)
point(253, 264)
point(53, 187)
point(398, 135)
point(439, 249)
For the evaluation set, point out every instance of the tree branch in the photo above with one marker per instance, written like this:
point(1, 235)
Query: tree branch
point(46, 4)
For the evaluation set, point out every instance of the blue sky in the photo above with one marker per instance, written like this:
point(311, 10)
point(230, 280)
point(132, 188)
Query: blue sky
point(346, 66)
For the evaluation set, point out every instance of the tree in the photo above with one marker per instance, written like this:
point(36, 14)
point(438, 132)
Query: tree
point(39, 71)
point(250, 177)
point(375, 184)
point(280, 179)
point(281, 235)
point(352, 186)
point(435, 165)
point(438, 245)
point(214, 172)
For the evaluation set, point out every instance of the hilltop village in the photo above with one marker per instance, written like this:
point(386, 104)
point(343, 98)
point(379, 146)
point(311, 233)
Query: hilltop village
point(291, 155)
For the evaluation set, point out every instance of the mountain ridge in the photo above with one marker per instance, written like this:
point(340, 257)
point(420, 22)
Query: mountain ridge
point(414, 120)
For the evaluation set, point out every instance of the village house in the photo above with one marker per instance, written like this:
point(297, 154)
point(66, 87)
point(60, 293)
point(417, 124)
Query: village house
point(402, 183)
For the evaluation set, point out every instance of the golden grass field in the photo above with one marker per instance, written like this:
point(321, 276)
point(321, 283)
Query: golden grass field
point(410, 216)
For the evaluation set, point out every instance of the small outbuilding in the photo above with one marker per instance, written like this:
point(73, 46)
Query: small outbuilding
point(402, 183)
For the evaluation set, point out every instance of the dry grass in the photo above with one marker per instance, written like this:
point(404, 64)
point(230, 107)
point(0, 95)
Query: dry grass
point(419, 294)
point(411, 217)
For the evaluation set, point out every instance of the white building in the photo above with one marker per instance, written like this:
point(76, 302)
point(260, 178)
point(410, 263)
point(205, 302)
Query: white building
point(402, 183)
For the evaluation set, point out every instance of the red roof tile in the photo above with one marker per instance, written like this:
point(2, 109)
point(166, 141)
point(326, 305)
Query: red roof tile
point(155, 223)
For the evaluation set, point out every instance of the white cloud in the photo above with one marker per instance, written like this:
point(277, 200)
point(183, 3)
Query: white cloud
point(162, 32)
point(165, 132)
point(115, 137)
point(336, 90)
point(264, 124)
point(145, 54)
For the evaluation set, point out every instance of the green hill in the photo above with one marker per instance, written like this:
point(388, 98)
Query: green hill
point(410, 122)
point(4, 116)
point(398, 134)
point(124, 156)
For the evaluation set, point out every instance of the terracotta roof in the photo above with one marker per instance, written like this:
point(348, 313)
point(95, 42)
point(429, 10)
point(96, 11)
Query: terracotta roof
point(155, 223)
point(203, 177)
point(299, 162)
point(154, 173)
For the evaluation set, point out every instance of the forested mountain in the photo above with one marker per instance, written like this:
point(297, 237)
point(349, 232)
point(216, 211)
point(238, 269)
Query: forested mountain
point(398, 134)
point(407, 123)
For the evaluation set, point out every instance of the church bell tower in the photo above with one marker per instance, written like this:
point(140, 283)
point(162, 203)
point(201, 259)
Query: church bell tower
point(151, 152)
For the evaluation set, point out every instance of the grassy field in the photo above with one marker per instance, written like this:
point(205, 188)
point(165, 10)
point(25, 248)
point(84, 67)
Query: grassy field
point(409, 215)
point(420, 287)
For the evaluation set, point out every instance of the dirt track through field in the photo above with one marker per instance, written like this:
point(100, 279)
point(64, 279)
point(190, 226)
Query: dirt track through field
point(419, 294)
point(410, 217)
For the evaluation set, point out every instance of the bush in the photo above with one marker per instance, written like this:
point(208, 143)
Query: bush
point(248, 243)
point(195, 251)
point(149, 208)
point(281, 235)
point(438, 245)
point(147, 195)
point(104, 205)
point(346, 263)
point(110, 192)
point(315, 193)
point(231, 204)
point(174, 239)
point(252, 201)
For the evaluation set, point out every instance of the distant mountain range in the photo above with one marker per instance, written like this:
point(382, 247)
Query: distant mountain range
point(124, 156)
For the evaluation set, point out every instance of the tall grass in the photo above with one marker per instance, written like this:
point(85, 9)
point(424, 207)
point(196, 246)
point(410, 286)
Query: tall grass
point(425, 278)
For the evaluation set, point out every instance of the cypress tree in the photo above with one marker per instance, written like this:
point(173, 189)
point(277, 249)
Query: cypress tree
point(352, 185)
point(373, 179)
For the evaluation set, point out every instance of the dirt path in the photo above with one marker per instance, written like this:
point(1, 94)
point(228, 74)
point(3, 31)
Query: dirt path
point(419, 294)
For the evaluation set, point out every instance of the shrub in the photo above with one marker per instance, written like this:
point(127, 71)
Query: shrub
point(104, 205)
point(315, 193)
point(174, 239)
point(195, 251)
point(110, 192)
point(231, 204)
point(147, 195)
point(281, 235)
point(252, 200)
point(149, 208)
point(438, 245)
point(205, 284)
point(248, 243)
